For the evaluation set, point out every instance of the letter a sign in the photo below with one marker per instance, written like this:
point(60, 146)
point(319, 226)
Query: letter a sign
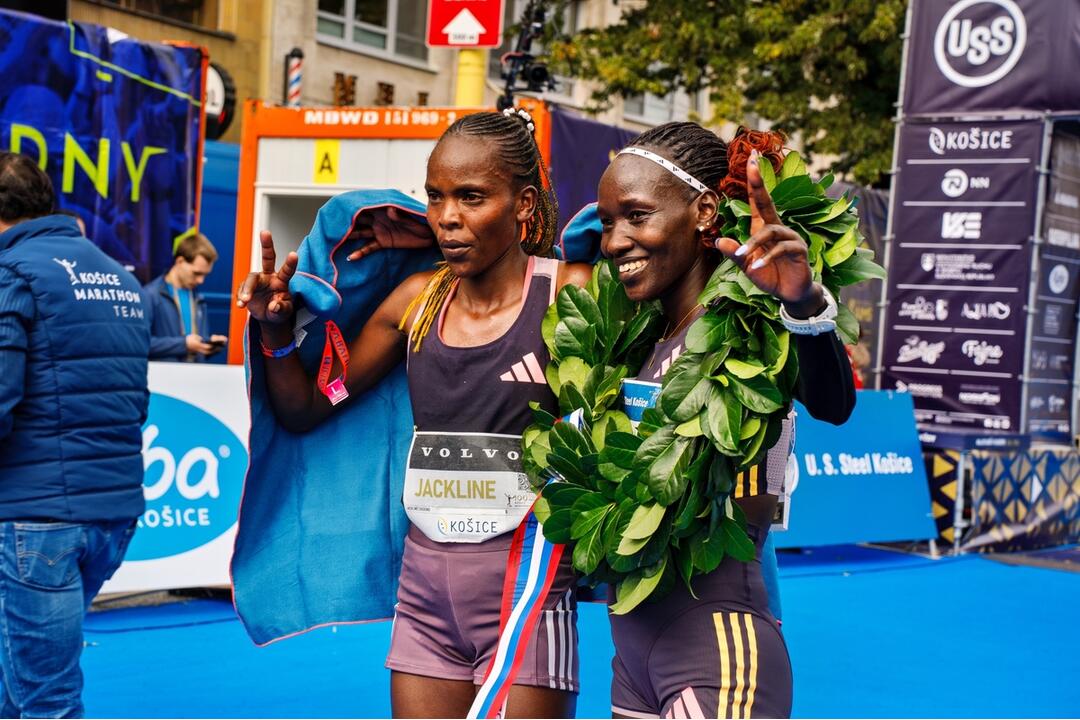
point(464, 23)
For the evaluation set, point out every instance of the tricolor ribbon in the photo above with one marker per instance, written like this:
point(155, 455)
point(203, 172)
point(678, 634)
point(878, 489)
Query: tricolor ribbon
point(530, 572)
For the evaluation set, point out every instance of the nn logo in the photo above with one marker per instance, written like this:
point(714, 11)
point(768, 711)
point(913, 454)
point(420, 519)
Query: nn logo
point(956, 182)
point(193, 469)
point(978, 42)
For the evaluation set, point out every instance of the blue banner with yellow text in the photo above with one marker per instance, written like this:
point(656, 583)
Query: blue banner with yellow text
point(116, 124)
point(863, 481)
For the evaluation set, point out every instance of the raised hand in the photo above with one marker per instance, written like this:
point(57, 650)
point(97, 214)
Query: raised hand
point(775, 256)
point(266, 294)
point(390, 228)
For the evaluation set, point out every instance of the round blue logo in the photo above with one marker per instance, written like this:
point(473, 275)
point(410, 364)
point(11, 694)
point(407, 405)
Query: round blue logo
point(193, 477)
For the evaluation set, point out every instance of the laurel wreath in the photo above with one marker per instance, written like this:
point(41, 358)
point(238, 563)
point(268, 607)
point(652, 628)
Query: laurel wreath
point(649, 506)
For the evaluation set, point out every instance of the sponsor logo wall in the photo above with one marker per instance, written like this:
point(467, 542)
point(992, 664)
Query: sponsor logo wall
point(194, 459)
point(964, 214)
point(965, 207)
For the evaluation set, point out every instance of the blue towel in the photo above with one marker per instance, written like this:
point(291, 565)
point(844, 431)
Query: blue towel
point(322, 526)
point(580, 239)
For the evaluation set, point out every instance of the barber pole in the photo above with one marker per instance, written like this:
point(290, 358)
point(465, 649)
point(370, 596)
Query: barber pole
point(294, 76)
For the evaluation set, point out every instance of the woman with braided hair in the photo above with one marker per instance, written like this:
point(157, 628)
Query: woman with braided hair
point(470, 333)
point(717, 652)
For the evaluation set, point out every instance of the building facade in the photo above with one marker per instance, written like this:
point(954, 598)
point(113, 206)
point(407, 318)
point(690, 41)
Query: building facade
point(234, 32)
point(356, 52)
point(381, 44)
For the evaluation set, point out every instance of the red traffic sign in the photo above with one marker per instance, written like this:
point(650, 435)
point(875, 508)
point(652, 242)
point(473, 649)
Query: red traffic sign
point(464, 23)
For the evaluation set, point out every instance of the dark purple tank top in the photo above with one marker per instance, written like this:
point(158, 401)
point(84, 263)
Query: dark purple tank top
point(487, 388)
point(768, 475)
point(666, 352)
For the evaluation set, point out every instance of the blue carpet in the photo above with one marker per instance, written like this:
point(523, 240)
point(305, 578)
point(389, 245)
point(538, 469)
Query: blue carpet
point(871, 634)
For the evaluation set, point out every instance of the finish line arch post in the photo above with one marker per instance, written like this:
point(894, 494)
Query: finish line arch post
point(292, 160)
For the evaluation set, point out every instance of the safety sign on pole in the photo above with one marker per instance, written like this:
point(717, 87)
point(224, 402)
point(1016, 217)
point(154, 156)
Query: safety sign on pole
point(465, 23)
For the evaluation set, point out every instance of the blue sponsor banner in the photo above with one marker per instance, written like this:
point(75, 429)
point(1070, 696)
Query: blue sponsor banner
point(194, 474)
point(115, 122)
point(863, 481)
point(195, 459)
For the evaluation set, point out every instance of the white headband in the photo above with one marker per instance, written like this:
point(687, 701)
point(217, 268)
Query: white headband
point(667, 165)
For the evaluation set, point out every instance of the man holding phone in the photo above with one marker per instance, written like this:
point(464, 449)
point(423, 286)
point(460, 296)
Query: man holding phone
point(179, 327)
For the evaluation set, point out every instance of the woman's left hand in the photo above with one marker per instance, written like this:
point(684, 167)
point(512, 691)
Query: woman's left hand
point(775, 256)
point(390, 228)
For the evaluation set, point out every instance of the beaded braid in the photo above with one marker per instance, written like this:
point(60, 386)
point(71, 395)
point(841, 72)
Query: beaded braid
point(512, 137)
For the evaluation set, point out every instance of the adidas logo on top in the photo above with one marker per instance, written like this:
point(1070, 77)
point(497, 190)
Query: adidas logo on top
point(526, 371)
point(664, 366)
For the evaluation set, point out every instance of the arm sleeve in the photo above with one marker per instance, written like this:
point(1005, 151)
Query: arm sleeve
point(168, 347)
point(826, 384)
point(16, 316)
point(162, 346)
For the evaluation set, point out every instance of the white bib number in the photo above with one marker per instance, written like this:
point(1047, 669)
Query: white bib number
point(466, 487)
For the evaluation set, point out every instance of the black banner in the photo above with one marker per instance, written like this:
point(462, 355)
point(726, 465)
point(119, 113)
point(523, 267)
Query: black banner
point(581, 150)
point(964, 214)
point(983, 55)
point(1053, 342)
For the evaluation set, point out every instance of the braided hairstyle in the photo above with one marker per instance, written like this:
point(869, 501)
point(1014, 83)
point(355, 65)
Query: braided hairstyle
point(720, 166)
point(511, 136)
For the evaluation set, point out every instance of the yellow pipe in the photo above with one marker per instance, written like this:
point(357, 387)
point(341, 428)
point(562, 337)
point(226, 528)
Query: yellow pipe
point(472, 72)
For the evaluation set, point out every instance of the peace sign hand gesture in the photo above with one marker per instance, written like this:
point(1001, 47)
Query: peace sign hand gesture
point(266, 294)
point(775, 256)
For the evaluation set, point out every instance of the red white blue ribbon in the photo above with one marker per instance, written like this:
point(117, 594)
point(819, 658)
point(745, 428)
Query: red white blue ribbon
point(530, 571)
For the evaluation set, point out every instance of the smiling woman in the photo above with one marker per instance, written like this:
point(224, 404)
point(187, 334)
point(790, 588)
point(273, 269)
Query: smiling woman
point(661, 205)
point(470, 331)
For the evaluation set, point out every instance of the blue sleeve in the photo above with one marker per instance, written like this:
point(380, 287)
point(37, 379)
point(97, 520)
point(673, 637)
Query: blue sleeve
point(16, 316)
point(170, 347)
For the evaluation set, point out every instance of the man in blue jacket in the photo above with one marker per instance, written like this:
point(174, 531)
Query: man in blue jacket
point(179, 327)
point(74, 342)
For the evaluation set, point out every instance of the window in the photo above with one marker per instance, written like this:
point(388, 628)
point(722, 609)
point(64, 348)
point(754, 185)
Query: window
point(649, 108)
point(512, 15)
point(194, 12)
point(393, 26)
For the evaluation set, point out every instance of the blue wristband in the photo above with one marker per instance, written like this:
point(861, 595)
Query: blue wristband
point(280, 352)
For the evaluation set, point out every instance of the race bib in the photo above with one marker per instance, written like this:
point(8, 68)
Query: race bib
point(466, 487)
point(637, 397)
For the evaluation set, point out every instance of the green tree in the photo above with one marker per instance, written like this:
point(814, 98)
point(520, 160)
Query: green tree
point(825, 69)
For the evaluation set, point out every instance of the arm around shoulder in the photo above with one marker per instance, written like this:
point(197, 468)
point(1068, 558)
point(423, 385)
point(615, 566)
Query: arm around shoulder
point(574, 274)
